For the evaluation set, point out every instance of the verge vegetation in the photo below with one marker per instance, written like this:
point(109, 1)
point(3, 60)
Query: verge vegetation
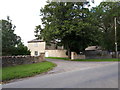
point(21, 71)
point(88, 60)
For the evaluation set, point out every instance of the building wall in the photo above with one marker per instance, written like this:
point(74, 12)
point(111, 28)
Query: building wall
point(55, 53)
point(36, 46)
point(50, 51)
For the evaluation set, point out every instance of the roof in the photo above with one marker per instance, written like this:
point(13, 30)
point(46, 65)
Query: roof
point(35, 40)
point(93, 48)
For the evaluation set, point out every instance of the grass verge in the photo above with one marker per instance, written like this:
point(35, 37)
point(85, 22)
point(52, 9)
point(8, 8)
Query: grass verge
point(21, 71)
point(57, 58)
point(96, 60)
point(87, 60)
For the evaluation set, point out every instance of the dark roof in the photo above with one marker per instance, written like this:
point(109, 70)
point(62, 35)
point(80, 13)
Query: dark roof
point(32, 41)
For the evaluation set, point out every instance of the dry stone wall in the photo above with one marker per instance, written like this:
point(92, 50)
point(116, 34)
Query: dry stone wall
point(19, 60)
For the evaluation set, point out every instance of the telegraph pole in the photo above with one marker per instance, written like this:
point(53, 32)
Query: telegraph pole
point(115, 19)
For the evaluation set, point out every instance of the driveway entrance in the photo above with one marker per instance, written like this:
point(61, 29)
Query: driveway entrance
point(64, 66)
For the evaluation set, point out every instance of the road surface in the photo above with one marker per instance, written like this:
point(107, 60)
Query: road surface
point(104, 76)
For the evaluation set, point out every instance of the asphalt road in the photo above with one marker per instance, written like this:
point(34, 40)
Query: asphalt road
point(105, 76)
point(64, 66)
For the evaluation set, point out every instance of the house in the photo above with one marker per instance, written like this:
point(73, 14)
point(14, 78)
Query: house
point(36, 47)
point(39, 46)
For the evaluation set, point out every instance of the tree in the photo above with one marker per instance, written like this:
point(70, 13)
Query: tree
point(21, 50)
point(68, 23)
point(10, 41)
point(0, 38)
point(104, 16)
point(37, 32)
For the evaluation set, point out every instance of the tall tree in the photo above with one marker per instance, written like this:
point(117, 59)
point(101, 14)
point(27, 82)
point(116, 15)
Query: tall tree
point(10, 41)
point(68, 23)
point(104, 16)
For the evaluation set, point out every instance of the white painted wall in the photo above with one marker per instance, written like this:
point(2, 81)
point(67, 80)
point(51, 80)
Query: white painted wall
point(36, 46)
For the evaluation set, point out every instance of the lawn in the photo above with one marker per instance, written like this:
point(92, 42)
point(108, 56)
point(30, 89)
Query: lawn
point(88, 60)
point(21, 71)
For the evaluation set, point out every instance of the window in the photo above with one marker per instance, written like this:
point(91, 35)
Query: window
point(36, 53)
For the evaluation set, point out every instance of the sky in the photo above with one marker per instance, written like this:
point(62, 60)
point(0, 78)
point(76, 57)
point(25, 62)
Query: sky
point(24, 15)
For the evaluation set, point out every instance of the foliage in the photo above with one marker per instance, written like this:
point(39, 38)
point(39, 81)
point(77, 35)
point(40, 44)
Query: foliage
point(104, 16)
point(37, 32)
point(21, 50)
point(11, 43)
point(69, 24)
point(0, 38)
point(77, 27)
point(20, 71)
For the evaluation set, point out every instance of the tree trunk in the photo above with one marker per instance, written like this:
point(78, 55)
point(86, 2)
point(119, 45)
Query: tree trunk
point(68, 49)
point(69, 53)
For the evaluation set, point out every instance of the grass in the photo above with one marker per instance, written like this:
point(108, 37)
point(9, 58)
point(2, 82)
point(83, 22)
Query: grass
point(88, 60)
point(96, 60)
point(57, 58)
point(21, 71)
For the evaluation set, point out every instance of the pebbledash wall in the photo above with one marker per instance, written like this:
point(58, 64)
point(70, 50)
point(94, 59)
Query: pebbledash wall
point(19, 60)
point(36, 46)
point(40, 46)
point(55, 53)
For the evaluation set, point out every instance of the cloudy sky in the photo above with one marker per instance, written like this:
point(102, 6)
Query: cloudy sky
point(25, 15)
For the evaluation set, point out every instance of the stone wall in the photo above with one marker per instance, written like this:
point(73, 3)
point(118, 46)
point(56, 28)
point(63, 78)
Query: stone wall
point(19, 60)
point(98, 54)
point(93, 55)
point(118, 55)
point(74, 55)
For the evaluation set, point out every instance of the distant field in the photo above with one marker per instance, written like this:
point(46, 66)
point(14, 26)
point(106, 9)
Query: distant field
point(88, 60)
point(20, 71)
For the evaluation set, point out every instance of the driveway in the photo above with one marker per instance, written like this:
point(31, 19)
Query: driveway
point(64, 66)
